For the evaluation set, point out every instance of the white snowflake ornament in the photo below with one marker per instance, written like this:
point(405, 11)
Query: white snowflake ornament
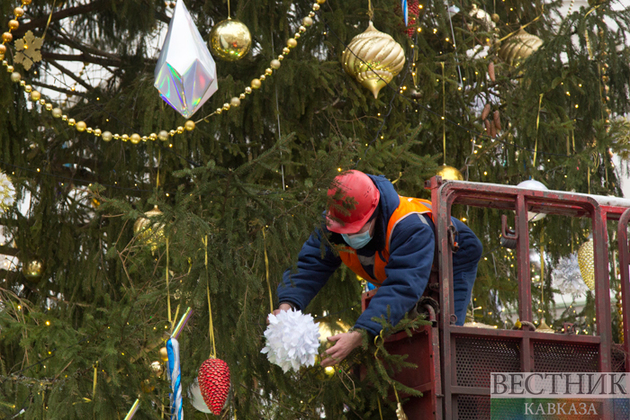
point(292, 340)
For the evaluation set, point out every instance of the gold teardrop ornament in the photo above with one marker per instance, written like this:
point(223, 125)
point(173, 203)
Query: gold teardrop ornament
point(373, 58)
point(518, 47)
point(586, 261)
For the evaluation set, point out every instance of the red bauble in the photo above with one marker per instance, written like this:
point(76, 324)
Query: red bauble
point(214, 383)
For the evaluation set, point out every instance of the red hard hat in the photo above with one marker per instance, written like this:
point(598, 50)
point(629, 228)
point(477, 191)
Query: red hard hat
point(353, 198)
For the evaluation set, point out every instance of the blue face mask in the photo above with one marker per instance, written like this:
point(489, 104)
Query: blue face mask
point(358, 240)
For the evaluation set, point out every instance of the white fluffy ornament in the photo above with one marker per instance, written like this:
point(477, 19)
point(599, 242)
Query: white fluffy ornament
point(196, 399)
point(292, 340)
point(7, 192)
point(567, 278)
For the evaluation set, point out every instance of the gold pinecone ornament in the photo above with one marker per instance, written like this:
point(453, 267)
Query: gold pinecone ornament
point(518, 47)
point(586, 261)
point(373, 58)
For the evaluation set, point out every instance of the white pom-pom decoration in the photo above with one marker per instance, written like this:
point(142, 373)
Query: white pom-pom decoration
point(292, 340)
point(7, 192)
point(567, 278)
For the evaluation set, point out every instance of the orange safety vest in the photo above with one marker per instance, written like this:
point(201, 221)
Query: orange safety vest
point(407, 207)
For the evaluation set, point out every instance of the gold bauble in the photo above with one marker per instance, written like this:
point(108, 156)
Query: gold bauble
point(164, 354)
point(544, 328)
point(449, 173)
point(33, 269)
point(149, 232)
point(373, 58)
point(230, 40)
point(328, 328)
point(518, 47)
point(586, 261)
point(157, 368)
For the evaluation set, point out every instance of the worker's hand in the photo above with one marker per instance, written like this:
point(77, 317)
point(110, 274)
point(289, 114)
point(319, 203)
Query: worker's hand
point(345, 343)
point(282, 307)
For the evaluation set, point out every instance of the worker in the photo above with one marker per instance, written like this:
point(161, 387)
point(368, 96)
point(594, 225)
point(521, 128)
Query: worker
point(384, 238)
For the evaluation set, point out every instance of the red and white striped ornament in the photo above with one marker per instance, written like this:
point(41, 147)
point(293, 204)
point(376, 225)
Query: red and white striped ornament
point(214, 382)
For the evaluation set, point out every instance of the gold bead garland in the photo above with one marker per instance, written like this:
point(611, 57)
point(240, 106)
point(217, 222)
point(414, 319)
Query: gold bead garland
point(163, 135)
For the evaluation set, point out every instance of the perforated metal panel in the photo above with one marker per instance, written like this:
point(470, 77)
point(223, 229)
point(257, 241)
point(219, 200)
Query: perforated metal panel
point(477, 357)
point(565, 357)
point(618, 358)
point(473, 407)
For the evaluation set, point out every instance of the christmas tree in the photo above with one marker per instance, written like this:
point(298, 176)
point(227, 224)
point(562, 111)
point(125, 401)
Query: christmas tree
point(94, 281)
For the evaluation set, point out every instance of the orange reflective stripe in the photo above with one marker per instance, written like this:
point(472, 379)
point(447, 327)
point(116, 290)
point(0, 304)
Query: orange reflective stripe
point(407, 206)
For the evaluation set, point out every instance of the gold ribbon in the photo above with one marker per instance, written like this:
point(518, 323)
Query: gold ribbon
point(537, 125)
point(267, 270)
point(593, 9)
point(370, 10)
point(168, 293)
point(95, 380)
point(157, 179)
point(49, 19)
point(526, 25)
point(210, 323)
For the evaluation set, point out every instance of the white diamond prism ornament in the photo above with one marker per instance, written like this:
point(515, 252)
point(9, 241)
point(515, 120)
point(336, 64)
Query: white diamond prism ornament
point(186, 74)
